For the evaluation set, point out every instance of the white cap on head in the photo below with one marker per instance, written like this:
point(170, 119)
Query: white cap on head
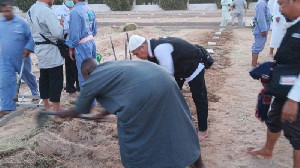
point(135, 42)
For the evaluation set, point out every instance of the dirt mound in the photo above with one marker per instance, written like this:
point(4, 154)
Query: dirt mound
point(80, 143)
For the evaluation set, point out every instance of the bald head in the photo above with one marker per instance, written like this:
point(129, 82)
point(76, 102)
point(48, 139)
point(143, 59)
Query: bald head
point(88, 66)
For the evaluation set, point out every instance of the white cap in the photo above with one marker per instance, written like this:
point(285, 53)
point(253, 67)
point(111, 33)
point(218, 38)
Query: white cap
point(135, 41)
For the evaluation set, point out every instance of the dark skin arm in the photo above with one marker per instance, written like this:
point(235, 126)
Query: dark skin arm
point(26, 53)
point(71, 113)
point(264, 34)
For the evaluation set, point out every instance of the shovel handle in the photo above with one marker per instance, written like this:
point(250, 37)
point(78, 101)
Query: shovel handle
point(79, 116)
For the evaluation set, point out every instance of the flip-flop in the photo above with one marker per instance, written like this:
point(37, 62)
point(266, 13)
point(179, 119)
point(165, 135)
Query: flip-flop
point(3, 113)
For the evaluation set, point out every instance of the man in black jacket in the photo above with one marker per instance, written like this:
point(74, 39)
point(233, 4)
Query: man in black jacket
point(184, 61)
point(284, 113)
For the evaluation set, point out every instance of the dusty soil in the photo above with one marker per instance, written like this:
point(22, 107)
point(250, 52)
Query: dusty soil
point(232, 125)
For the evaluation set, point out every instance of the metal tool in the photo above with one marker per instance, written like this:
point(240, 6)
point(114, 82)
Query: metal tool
point(125, 49)
point(19, 80)
point(128, 42)
point(113, 48)
point(43, 118)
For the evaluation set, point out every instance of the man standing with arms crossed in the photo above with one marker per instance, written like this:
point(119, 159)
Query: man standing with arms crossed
point(43, 22)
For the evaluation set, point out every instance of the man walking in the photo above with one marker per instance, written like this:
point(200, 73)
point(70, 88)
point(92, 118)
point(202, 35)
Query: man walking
point(225, 11)
point(155, 127)
point(16, 44)
point(63, 12)
point(184, 61)
point(284, 114)
point(45, 27)
point(262, 21)
point(238, 8)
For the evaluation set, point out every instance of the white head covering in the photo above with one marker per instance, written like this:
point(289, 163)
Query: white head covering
point(135, 41)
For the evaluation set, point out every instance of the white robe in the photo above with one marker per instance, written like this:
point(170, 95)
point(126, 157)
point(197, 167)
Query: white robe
point(278, 30)
point(225, 12)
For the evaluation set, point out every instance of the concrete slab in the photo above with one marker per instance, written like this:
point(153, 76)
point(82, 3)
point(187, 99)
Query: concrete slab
point(212, 43)
point(210, 51)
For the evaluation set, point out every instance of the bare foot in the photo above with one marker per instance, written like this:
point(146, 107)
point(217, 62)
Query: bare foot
point(255, 65)
point(202, 135)
point(3, 113)
point(58, 109)
point(260, 152)
point(47, 107)
point(73, 95)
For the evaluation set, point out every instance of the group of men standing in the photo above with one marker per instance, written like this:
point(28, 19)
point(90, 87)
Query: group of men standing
point(155, 128)
point(77, 25)
point(154, 122)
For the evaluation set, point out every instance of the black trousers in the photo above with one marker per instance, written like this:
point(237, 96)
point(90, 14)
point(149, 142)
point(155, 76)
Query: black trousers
point(71, 72)
point(51, 83)
point(275, 125)
point(71, 75)
point(199, 94)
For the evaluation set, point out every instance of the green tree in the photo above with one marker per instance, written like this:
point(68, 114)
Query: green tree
point(119, 5)
point(24, 5)
point(173, 4)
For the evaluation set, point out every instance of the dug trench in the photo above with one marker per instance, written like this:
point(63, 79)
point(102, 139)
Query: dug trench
point(80, 143)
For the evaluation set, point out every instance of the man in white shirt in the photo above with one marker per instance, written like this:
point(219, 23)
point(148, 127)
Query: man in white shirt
point(43, 24)
point(184, 61)
point(284, 113)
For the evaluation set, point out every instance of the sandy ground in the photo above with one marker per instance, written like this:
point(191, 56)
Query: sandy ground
point(232, 125)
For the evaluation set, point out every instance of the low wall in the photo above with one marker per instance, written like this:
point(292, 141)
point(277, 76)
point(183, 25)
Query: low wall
point(105, 8)
point(146, 8)
point(208, 6)
point(95, 7)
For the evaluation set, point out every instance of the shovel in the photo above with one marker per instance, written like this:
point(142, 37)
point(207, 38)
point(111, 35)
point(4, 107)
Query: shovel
point(19, 81)
point(43, 118)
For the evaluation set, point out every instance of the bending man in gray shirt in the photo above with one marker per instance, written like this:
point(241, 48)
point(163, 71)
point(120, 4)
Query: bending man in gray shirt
point(155, 127)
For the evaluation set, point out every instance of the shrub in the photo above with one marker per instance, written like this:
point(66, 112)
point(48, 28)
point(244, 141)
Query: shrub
point(95, 1)
point(173, 4)
point(24, 5)
point(119, 5)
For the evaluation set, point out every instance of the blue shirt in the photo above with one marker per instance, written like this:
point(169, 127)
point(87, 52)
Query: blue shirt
point(82, 24)
point(15, 36)
point(262, 17)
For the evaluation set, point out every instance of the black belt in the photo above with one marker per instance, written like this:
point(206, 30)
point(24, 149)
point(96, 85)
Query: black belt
point(44, 42)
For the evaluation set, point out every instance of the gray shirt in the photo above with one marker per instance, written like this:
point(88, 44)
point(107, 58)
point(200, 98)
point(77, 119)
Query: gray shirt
point(238, 6)
point(42, 20)
point(155, 127)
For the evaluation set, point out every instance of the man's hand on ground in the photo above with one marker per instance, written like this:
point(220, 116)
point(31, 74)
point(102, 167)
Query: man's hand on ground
point(290, 111)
